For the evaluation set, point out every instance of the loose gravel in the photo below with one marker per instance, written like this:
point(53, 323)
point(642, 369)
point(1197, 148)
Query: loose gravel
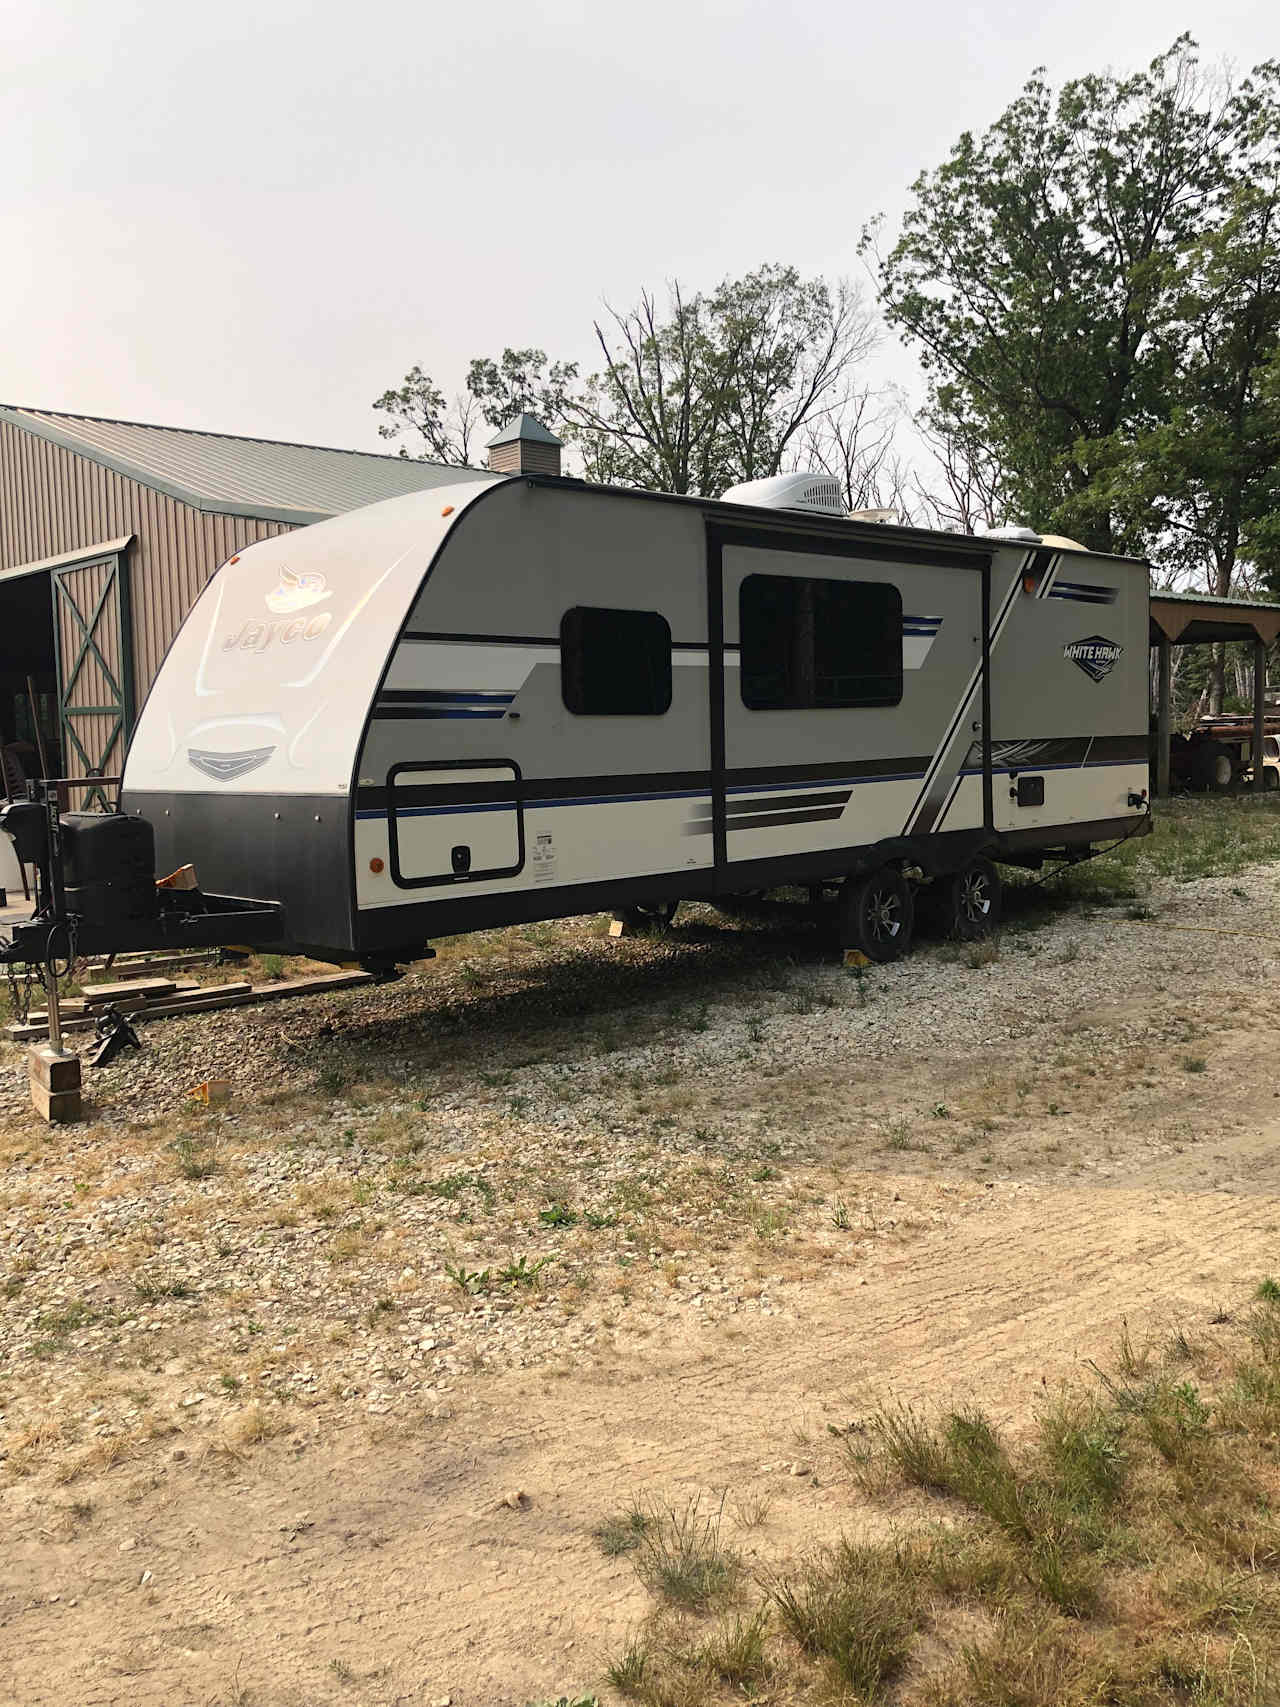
point(524, 1153)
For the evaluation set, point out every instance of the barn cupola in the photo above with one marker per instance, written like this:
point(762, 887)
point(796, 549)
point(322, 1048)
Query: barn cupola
point(525, 446)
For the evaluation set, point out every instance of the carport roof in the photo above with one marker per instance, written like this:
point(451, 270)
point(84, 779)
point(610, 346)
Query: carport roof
point(224, 474)
point(1186, 619)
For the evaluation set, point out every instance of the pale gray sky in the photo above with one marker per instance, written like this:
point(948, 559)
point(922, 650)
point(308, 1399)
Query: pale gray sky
point(255, 217)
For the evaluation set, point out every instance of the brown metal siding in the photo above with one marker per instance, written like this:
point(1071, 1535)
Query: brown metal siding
point(53, 501)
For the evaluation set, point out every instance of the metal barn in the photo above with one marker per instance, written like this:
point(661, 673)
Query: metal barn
point(108, 532)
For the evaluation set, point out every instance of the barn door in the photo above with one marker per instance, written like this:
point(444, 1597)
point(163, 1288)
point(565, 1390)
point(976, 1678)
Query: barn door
point(94, 649)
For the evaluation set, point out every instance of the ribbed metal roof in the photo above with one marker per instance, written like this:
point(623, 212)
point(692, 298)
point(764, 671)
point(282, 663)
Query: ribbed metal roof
point(228, 475)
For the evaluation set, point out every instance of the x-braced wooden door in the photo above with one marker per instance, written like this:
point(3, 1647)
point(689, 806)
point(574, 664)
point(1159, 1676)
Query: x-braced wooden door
point(94, 645)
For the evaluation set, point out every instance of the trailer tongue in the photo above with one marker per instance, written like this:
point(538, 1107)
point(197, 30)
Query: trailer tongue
point(96, 891)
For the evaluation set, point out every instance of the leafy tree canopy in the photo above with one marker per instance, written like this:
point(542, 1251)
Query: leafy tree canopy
point(1072, 280)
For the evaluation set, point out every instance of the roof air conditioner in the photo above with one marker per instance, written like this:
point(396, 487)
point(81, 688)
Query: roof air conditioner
point(820, 492)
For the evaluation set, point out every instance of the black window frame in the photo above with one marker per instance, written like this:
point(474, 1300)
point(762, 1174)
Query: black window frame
point(583, 642)
point(756, 667)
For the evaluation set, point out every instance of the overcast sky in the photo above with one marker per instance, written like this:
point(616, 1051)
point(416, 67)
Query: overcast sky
point(255, 217)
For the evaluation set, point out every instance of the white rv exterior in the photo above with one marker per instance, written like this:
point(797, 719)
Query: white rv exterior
point(523, 698)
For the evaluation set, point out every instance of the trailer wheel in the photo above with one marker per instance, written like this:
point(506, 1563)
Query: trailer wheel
point(1270, 778)
point(970, 901)
point(877, 914)
point(1212, 768)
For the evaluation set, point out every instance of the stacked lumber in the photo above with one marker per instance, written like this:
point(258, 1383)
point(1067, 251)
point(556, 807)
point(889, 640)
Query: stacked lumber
point(154, 998)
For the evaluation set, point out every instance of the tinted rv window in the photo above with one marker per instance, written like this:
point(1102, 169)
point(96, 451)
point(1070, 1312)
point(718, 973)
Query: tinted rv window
point(615, 663)
point(809, 644)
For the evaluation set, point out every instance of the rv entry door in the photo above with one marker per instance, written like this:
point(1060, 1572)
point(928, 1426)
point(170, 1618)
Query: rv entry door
point(849, 697)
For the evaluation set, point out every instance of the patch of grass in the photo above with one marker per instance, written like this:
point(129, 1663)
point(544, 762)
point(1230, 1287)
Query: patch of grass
point(633, 1667)
point(898, 1137)
point(735, 1654)
point(273, 965)
point(558, 1215)
point(452, 1186)
point(1193, 1064)
point(65, 1320)
point(855, 1609)
point(621, 1533)
point(471, 1281)
point(521, 1272)
point(152, 1287)
point(1118, 1552)
point(682, 1559)
point(196, 1157)
point(751, 1510)
point(979, 954)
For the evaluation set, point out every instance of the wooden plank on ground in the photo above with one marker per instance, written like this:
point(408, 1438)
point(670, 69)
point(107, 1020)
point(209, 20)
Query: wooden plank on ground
point(196, 998)
point(318, 986)
point(100, 994)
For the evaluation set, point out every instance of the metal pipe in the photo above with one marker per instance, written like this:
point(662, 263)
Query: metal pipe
point(1164, 718)
point(52, 1004)
point(1259, 705)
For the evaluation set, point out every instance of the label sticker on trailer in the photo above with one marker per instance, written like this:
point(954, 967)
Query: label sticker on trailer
point(543, 858)
point(1096, 655)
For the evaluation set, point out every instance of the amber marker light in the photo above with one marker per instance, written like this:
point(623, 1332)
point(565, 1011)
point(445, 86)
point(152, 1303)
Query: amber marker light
point(375, 864)
point(1028, 583)
point(447, 511)
point(235, 559)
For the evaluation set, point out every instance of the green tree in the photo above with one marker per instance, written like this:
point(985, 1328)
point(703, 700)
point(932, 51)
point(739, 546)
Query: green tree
point(1041, 272)
point(717, 387)
point(450, 430)
point(712, 389)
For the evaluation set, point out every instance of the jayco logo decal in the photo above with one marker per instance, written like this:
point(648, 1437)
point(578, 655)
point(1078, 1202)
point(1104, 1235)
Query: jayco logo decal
point(1096, 656)
point(292, 593)
point(295, 592)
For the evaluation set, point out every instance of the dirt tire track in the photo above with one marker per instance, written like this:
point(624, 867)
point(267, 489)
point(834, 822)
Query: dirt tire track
point(411, 1561)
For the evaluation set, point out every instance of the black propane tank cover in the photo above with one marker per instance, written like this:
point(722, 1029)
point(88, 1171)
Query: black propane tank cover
point(109, 867)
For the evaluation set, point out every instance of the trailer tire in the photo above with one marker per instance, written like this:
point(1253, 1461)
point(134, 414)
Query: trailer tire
point(970, 901)
point(1270, 778)
point(1213, 769)
point(877, 914)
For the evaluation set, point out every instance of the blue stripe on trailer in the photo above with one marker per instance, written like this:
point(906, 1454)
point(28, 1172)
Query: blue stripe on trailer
point(1080, 592)
point(624, 799)
point(398, 713)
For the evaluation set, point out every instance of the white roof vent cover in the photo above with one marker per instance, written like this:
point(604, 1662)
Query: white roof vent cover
point(819, 492)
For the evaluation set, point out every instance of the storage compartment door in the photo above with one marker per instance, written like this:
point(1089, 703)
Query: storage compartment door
point(454, 822)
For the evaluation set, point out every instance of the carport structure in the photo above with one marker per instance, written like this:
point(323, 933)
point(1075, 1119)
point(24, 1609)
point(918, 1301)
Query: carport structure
point(1185, 619)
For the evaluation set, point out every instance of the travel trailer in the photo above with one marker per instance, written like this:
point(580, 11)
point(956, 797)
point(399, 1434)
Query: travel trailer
point(525, 697)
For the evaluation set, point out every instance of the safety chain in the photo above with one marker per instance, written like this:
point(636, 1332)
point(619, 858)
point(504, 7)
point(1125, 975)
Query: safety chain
point(20, 991)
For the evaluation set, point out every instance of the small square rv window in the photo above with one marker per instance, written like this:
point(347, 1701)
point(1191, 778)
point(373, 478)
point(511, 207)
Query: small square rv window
point(811, 644)
point(615, 663)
